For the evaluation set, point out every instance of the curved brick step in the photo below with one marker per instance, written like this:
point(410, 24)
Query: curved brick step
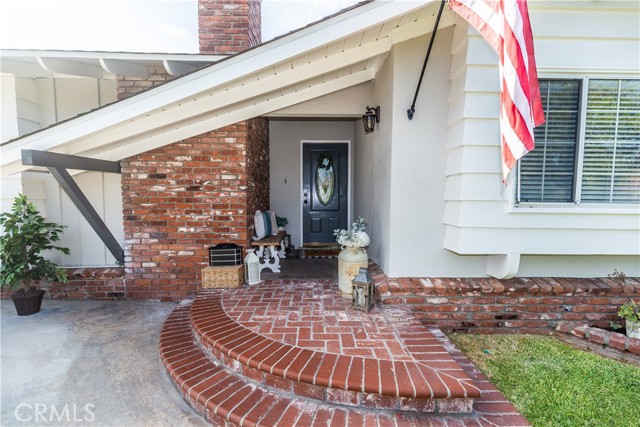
point(226, 398)
point(351, 380)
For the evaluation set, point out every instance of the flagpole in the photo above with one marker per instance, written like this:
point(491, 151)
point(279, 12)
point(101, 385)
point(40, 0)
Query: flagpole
point(412, 110)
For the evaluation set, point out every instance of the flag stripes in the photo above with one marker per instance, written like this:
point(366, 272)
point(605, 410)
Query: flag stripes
point(505, 25)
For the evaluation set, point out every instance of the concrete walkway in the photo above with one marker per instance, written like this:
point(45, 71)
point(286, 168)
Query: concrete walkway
point(88, 363)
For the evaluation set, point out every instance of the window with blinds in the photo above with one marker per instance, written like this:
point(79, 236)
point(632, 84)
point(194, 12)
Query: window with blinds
point(585, 153)
point(611, 165)
point(547, 173)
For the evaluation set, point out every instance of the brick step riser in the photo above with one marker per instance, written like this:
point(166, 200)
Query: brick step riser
point(184, 367)
point(227, 399)
point(414, 380)
point(329, 395)
point(341, 397)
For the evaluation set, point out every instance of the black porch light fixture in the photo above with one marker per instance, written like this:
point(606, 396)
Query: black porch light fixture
point(370, 118)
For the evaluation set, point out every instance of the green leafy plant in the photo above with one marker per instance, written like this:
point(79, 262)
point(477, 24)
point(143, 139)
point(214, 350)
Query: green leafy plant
point(281, 221)
point(630, 310)
point(26, 234)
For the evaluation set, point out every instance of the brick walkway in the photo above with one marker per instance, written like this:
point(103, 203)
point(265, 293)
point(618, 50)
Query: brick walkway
point(310, 317)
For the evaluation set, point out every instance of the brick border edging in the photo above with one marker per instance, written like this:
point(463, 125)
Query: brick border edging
point(485, 305)
point(605, 343)
point(95, 283)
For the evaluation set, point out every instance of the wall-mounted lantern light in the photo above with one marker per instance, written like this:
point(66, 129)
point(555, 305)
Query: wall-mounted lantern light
point(370, 118)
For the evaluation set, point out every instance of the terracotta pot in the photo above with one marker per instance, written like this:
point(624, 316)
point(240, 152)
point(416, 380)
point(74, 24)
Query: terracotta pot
point(28, 303)
point(350, 260)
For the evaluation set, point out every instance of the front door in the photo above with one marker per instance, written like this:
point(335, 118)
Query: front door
point(325, 171)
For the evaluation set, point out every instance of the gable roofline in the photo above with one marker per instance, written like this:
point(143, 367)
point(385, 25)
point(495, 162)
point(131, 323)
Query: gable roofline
point(97, 54)
point(112, 131)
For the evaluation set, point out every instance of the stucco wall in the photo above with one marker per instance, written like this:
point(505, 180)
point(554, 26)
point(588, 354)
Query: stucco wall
point(285, 154)
point(400, 169)
point(373, 169)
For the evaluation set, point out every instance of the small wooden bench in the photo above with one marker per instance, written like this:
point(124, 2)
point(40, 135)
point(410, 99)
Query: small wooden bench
point(270, 250)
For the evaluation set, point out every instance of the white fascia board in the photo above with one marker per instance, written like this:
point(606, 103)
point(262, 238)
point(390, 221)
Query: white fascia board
point(252, 60)
point(216, 101)
point(202, 124)
point(132, 56)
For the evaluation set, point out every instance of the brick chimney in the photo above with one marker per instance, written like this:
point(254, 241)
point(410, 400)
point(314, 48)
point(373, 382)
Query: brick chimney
point(228, 26)
point(181, 198)
point(224, 27)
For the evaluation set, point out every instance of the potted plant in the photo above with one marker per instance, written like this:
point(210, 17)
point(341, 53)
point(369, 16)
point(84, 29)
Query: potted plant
point(26, 234)
point(630, 310)
point(282, 222)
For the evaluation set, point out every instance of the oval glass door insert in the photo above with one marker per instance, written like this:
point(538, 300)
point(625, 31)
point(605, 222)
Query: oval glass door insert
point(325, 179)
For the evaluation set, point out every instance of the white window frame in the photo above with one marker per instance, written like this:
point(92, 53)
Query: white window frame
point(576, 205)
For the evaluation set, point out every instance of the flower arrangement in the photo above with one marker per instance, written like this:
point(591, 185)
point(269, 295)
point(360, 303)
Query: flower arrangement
point(355, 237)
point(325, 161)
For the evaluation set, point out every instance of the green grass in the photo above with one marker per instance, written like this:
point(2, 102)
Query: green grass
point(553, 384)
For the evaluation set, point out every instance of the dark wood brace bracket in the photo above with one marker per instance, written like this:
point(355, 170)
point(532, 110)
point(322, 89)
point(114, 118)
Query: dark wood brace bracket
point(58, 165)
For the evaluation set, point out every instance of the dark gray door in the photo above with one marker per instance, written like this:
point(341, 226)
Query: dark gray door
point(325, 172)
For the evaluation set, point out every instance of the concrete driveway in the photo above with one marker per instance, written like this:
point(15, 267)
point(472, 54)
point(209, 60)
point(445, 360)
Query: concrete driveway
point(87, 363)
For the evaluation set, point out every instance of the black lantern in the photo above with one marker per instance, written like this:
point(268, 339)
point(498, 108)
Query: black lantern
point(370, 118)
point(363, 291)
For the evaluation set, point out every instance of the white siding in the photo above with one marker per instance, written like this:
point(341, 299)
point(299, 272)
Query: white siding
point(27, 99)
point(103, 191)
point(8, 108)
point(75, 96)
point(480, 216)
point(30, 104)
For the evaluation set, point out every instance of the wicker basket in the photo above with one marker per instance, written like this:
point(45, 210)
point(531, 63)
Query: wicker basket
point(222, 277)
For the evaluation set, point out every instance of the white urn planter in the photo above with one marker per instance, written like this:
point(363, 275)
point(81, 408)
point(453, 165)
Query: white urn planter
point(350, 260)
point(633, 329)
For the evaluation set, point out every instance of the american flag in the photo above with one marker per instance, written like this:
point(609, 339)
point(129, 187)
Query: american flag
point(505, 25)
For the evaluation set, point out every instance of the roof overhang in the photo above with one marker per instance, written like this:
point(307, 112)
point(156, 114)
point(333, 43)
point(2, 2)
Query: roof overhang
point(342, 51)
point(31, 63)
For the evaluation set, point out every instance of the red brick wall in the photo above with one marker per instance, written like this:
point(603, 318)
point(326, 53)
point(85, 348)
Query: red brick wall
point(228, 26)
point(255, 22)
point(521, 305)
point(90, 283)
point(182, 198)
point(128, 86)
point(257, 169)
